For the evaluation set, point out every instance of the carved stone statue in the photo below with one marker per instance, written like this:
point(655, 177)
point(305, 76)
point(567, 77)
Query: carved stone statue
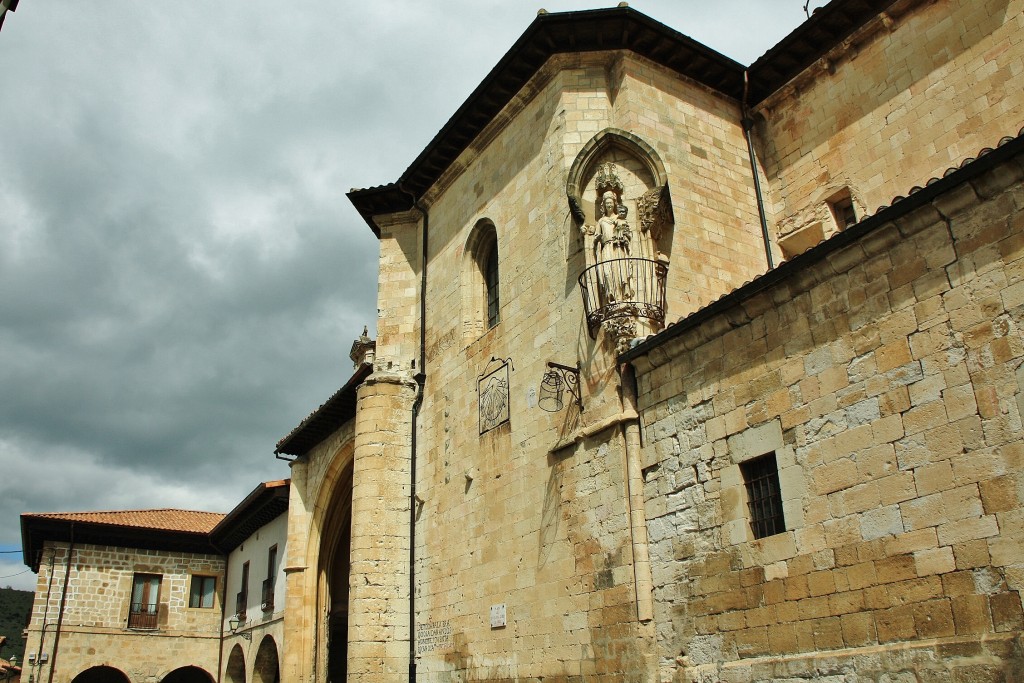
point(612, 238)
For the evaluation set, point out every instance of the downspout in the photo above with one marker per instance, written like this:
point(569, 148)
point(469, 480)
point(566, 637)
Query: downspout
point(223, 617)
point(63, 602)
point(420, 377)
point(642, 576)
point(748, 125)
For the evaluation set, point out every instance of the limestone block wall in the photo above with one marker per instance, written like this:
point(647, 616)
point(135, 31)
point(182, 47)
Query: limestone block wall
point(887, 381)
point(93, 629)
point(917, 91)
point(539, 506)
point(717, 244)
point(378, 614)
point(316, 487)
point(398, 285)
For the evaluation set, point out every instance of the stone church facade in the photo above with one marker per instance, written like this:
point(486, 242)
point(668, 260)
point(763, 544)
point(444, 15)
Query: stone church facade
point(688, 371)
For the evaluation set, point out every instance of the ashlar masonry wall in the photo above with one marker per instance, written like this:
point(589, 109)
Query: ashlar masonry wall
point(921, 87)
point(887, 379)
point(94, 628)
point(533, 516)
point(319, 505)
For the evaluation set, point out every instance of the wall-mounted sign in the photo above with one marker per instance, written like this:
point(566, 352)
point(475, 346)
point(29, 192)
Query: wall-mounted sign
point(498, 616)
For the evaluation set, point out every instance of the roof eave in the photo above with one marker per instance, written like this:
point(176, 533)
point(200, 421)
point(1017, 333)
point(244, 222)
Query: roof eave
point(548, 35)
point(326, 419)
point(35, 531)
point(265, 503)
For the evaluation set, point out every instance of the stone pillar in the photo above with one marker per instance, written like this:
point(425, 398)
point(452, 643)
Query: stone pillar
point(300, 592)
point(378, 630)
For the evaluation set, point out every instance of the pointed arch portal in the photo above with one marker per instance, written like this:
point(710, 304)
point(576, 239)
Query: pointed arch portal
point(333, 575)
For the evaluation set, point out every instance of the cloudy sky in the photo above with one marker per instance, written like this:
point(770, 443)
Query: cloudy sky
point(181, 275)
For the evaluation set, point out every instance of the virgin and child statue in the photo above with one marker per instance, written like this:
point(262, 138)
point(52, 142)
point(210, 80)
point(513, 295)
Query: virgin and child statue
point(611, 245)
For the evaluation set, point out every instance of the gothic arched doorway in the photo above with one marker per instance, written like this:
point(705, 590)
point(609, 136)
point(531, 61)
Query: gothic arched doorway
point(334, 566)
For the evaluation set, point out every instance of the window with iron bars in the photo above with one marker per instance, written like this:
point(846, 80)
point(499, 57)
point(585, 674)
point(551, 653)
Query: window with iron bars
point(764, 495)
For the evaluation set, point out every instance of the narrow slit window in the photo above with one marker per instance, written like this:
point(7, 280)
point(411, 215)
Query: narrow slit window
point(491, 283)
point(764, 495)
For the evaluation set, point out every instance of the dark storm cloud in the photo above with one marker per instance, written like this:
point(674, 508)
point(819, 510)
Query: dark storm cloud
point(180, 272)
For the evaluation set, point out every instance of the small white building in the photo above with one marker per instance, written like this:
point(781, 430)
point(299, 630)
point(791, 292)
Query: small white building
point(253, 538)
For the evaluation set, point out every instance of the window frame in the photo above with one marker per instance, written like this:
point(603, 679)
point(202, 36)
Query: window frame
point(764, 495)
point(144, 608)
point(201, 593)
point(242, 598)
point(492, 285)
point(481, 281)
point(267, 597)
point(843, 210)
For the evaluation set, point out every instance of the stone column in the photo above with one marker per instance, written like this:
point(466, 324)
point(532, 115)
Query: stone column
point(378, 630)
point(300, 592)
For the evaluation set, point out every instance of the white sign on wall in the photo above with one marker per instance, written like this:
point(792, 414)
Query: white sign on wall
point(498, 616)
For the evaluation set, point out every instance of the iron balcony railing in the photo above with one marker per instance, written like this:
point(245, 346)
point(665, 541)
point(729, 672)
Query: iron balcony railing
point(268, 595)
point(141, 615)
point(240, 599)
point(623, 287)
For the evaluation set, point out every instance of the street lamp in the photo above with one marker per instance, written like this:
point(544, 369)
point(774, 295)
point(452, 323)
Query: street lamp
point(234, 623)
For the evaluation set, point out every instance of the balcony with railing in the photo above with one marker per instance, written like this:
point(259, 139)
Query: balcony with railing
point(240, 603)
point(621, 288)
point(142, 615)
point(267, 601)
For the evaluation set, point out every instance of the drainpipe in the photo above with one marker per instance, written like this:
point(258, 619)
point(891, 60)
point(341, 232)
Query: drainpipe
point(223, 617)
point(642, 576)
point(63, 601)
point(748, 124)
point(420, 377)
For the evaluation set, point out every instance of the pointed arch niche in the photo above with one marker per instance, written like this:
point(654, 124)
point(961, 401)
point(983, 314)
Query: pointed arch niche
point(625, 261)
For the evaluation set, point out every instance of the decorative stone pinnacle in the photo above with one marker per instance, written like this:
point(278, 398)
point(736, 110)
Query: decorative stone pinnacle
point(363, 350)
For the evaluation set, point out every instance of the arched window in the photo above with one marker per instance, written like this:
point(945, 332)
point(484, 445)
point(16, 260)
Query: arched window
point(481, 281)
point(491, 286)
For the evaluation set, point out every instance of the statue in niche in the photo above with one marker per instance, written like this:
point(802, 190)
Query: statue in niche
point(612, 238)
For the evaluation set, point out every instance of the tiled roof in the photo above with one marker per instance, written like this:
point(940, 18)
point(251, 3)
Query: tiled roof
point(163, 529)
point(166, 519)
point(918, 195)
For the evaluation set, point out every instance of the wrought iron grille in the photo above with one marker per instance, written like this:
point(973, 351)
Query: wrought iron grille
point(141, 615)
point(617, 288)
point(764, 496)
